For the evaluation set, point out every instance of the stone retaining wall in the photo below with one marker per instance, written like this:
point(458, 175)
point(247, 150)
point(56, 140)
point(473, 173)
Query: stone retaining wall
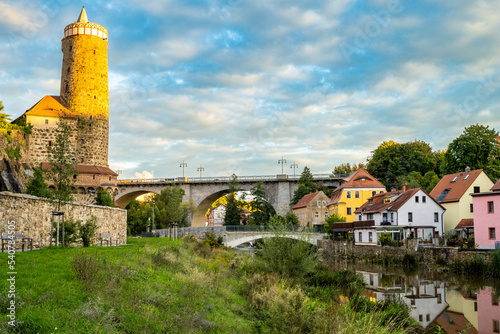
point(32, 217)
point(429, 255)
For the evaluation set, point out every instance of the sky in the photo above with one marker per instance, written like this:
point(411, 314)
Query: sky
point(233, 86)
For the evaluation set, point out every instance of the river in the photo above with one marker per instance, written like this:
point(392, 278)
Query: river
point(440, 303)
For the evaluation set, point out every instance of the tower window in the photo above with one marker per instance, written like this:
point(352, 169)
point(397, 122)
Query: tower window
point(67, 88)
point(46, 121)
point(71, 48)
point(50, 143)
point(69, 69)
point(93, 176)
point(81, 160)
point(81, 141)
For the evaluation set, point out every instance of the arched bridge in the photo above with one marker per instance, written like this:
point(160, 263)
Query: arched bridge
point(237, 235)
point(204, 191)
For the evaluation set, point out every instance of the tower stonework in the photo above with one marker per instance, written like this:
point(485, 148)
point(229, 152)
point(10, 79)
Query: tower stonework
point(84, 88)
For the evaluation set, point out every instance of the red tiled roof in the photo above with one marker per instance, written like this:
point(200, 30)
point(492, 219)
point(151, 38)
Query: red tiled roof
point(362, 179)
point(87, 169)
point(466, 222)
point(398, 199)
point(496, 187)
point(455, 184)
point(358, 179)
point(302, 203)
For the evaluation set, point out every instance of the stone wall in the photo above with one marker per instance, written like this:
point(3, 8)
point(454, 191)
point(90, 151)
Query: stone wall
point(429, 255)
point(32, 216)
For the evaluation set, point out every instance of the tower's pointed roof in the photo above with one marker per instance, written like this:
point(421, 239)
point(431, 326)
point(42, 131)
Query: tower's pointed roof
point(83, 16)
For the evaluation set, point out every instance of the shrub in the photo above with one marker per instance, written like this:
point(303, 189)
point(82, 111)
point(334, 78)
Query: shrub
point(385, 239)
point(71, 231)
point(86, 267)
point(212, 240)
point(88, 231)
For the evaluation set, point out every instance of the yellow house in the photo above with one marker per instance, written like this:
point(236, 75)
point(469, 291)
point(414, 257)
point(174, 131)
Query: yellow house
point(352, 193)
point(453, 193)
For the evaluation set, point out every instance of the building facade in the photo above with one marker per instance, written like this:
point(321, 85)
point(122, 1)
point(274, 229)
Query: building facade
point(487, 218)
point(408, 213)
point(353, 192)
point(453, 193)
point(312, 209)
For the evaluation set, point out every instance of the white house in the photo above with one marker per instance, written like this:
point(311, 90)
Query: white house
point(404, 213)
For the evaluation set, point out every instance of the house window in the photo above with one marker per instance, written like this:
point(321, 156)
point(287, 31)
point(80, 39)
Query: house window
point(492, 233)
point(370, 236)
point(423, 199)
point(439, 298)
point(46, 121)
point(392, 217)
point(416, 199)
point(410, 217)
point(50, 143)
point(494, 300)
point(381, 191)
point(324, 203)
point(471, 207)
point(477, 190)
point(319, 203)
point(316, 214)
point(496, 326)
point(93, 177)
point(74, 177)
point(491, 208)
point(81, 160)
point(360, 236)
point(384, 217)
point(436, 217)
point(420, 317)
point(356, 194)
point(110, 178)
point(348, 195)
point(360, 218)
point(475, 306)
point(349, 211)
point(427, 317)
point(374, 193)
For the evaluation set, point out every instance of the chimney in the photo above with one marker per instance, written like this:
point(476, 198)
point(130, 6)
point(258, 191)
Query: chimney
point(467, 169)
point(393, 189)
point(406, 187)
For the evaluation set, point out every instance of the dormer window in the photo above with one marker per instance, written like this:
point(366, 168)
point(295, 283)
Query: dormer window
point(466, 177)
point(387, 200)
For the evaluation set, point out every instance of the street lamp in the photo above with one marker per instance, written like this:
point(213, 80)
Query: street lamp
point(282, 162)
point(201, 169)
point(183, 164)
point(153, 226)
point(294, 166)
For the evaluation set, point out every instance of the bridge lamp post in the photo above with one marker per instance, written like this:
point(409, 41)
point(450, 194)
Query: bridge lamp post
point(201, 169)
point(282, 162)
point(294, 166)
point(183, 164)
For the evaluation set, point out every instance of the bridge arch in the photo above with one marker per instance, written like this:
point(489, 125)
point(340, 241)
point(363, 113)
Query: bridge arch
point(125, 199)
point(244, 239)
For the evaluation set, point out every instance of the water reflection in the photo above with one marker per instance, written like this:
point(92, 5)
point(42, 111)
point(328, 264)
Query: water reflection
point(436, 303)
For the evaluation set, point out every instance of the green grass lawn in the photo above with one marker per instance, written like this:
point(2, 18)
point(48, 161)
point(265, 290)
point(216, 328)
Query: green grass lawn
point(148, 286)
point(156, 285)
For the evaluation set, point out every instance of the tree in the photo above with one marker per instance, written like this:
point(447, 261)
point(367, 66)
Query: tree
point(37, 186)
point(104, 198)
point(233, 211)
point(330, 222)
point(390, 161)
point(477, 148)
point(261, 209)
point(306, 186)
point(346, 168)
point(4, 118)
point(62, 167)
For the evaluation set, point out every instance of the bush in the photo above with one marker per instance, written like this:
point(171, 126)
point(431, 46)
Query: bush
point(385, 239)
point(88, 231)
point(86, 267)
point(71, 231)
point(212, 240)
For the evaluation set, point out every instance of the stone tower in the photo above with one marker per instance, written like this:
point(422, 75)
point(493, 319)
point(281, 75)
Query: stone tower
point(84, 87)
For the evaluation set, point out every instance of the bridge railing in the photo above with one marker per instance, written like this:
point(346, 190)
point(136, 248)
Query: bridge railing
point(228, 178)
point(263, 228)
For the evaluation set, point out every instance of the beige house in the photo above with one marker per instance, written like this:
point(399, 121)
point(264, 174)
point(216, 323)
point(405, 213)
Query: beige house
point(453, 193)
point(311, 209)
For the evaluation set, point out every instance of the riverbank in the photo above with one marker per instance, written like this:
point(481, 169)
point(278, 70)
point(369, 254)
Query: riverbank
point(454, 259)
point(158, 285)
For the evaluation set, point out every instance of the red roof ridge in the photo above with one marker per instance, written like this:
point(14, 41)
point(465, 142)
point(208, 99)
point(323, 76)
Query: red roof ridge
point(456, 185)
point(306, 199)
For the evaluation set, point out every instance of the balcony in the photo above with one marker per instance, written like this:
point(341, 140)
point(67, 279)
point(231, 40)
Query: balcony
point(364, 223)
